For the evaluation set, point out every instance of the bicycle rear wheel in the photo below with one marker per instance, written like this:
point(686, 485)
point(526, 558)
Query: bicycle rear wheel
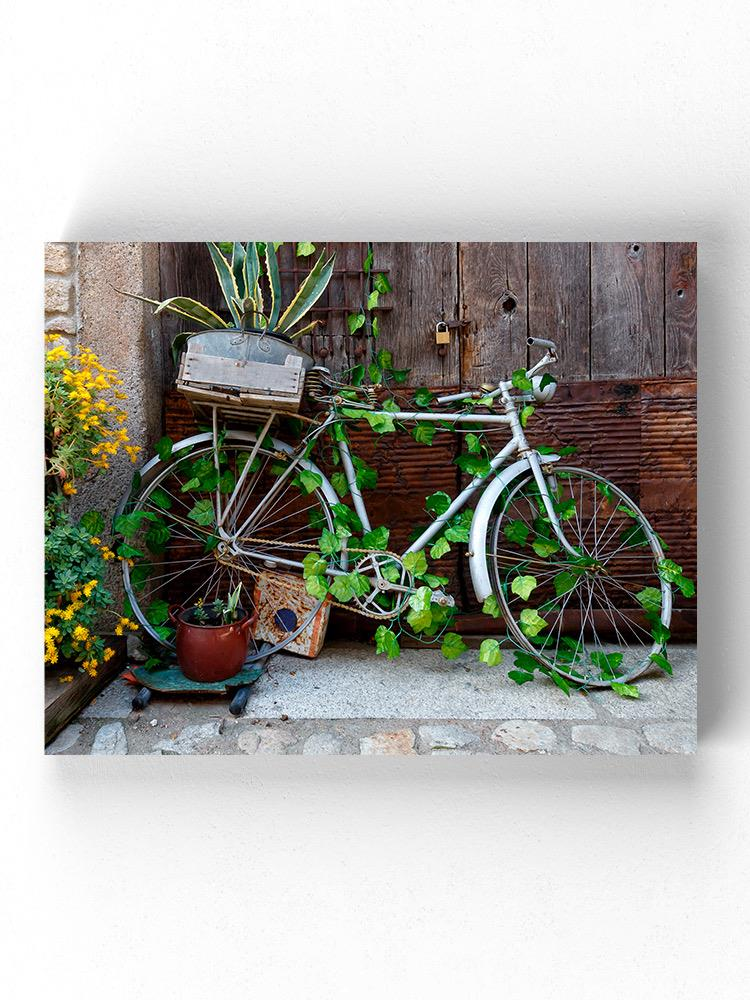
point(595, 618)
point(178, 519)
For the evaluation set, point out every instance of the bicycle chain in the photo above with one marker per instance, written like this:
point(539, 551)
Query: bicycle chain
point(314, 548)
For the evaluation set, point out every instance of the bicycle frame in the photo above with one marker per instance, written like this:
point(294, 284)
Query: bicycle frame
point(530, 462)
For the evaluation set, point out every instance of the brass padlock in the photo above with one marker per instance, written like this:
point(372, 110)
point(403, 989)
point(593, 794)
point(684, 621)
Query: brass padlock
point(442, 333)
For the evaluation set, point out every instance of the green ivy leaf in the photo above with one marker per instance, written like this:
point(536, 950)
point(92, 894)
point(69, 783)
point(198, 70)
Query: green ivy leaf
point(203, 512)
point(161, 499)
point(157, 613)
point(191, 484)
point(516, 531)
point(157, 537)
point(520, 676)
point(440, 548)
point(560, 681)
point(564, 582)
point(421, 599)
point(650, 599)
point(129, 525)
point(531, 622)
point(357, 374)
point(372, 299)
point(491, 606)
point(437, 503)
point(400, 375)
point(521, 380)
point(423, 397)
point(473, 443)
point(339, 483)
point(419, 621)
point(452, 645)
point(382, 284)
point(473, 465)
point(662, 662)
point(367, 262)
point(329, 543)
point(545, 546)
point(355, 321)
point(317, 587)
point(376, 539)
point(310, 481)
point(305, 249)
point(526, 413)
point(524, 586)
point(490, 652)
point(313, 564)
point(423, 434)
point(93, 522)
point(607, 663)
point(164, 448)
point(625, 690)
point(415, 563)
point(386, 642)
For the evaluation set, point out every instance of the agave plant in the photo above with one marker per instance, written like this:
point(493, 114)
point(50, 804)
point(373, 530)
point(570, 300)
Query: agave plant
point(240, 268)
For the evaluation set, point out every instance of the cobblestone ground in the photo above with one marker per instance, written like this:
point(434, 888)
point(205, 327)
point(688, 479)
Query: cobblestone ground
point(350, 702)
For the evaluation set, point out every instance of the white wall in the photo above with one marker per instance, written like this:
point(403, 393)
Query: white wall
point(294, 877)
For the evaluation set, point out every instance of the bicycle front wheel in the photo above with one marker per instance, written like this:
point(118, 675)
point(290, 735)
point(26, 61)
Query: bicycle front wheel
point(180, 528)
point(597, 617)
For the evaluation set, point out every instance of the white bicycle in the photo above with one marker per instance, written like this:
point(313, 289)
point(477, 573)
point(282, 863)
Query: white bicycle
point(572, 563)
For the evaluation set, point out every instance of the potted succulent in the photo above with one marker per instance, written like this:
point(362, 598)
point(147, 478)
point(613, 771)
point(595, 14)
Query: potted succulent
point(250, 282)
point(212, 638)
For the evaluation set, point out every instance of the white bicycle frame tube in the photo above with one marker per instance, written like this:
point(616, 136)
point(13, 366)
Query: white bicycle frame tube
point(531, 462)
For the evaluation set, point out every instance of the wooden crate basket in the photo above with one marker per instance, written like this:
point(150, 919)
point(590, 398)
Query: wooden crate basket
point(242, 390)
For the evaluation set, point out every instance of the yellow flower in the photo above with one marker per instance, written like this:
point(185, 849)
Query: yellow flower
point(69, 489)
point(108, 654)
point(80, 633)
point(57, 354)
point(66, 679)
point(95, 540)
point(89, 587)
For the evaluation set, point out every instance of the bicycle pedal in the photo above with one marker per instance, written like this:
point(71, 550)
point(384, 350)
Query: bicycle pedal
point(443, 599)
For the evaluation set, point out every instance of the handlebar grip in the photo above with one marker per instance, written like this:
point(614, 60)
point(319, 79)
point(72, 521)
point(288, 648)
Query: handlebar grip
point(538, 342)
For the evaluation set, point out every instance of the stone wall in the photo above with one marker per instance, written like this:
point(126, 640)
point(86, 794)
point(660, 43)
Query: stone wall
point(61, 290)
point(82, 305)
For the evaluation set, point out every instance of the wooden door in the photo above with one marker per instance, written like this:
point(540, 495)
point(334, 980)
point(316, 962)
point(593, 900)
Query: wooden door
point(622, 314)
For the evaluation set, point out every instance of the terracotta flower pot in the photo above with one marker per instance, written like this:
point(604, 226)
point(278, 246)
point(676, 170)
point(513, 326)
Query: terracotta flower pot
point(208, 653)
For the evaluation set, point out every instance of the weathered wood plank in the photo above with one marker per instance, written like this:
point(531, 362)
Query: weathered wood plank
point(492, 287)
point(558, 303)
point(63, 702)
point(185, 269)
point(627, 310)
point(424, 277)
point(681, 310)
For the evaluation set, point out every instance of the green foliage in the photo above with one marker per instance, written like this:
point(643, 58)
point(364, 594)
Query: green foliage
point(490, 652)
point(625, 690)
point(386, 642)
point(521, 380)
point(376, 539)
point(452, 645)
point(524, 586)
point(491, 606)
point(531, 622)
point(516, 531)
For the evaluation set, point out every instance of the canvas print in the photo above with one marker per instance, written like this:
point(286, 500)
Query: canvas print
point(370, 498)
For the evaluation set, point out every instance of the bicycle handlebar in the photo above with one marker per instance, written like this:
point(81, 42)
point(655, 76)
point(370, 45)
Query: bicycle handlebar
point(538, 342)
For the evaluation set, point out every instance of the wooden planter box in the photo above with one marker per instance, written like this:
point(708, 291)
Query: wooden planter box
point(63, 702)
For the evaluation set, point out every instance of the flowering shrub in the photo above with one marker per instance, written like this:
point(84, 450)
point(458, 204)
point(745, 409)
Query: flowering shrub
point(85, 427)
